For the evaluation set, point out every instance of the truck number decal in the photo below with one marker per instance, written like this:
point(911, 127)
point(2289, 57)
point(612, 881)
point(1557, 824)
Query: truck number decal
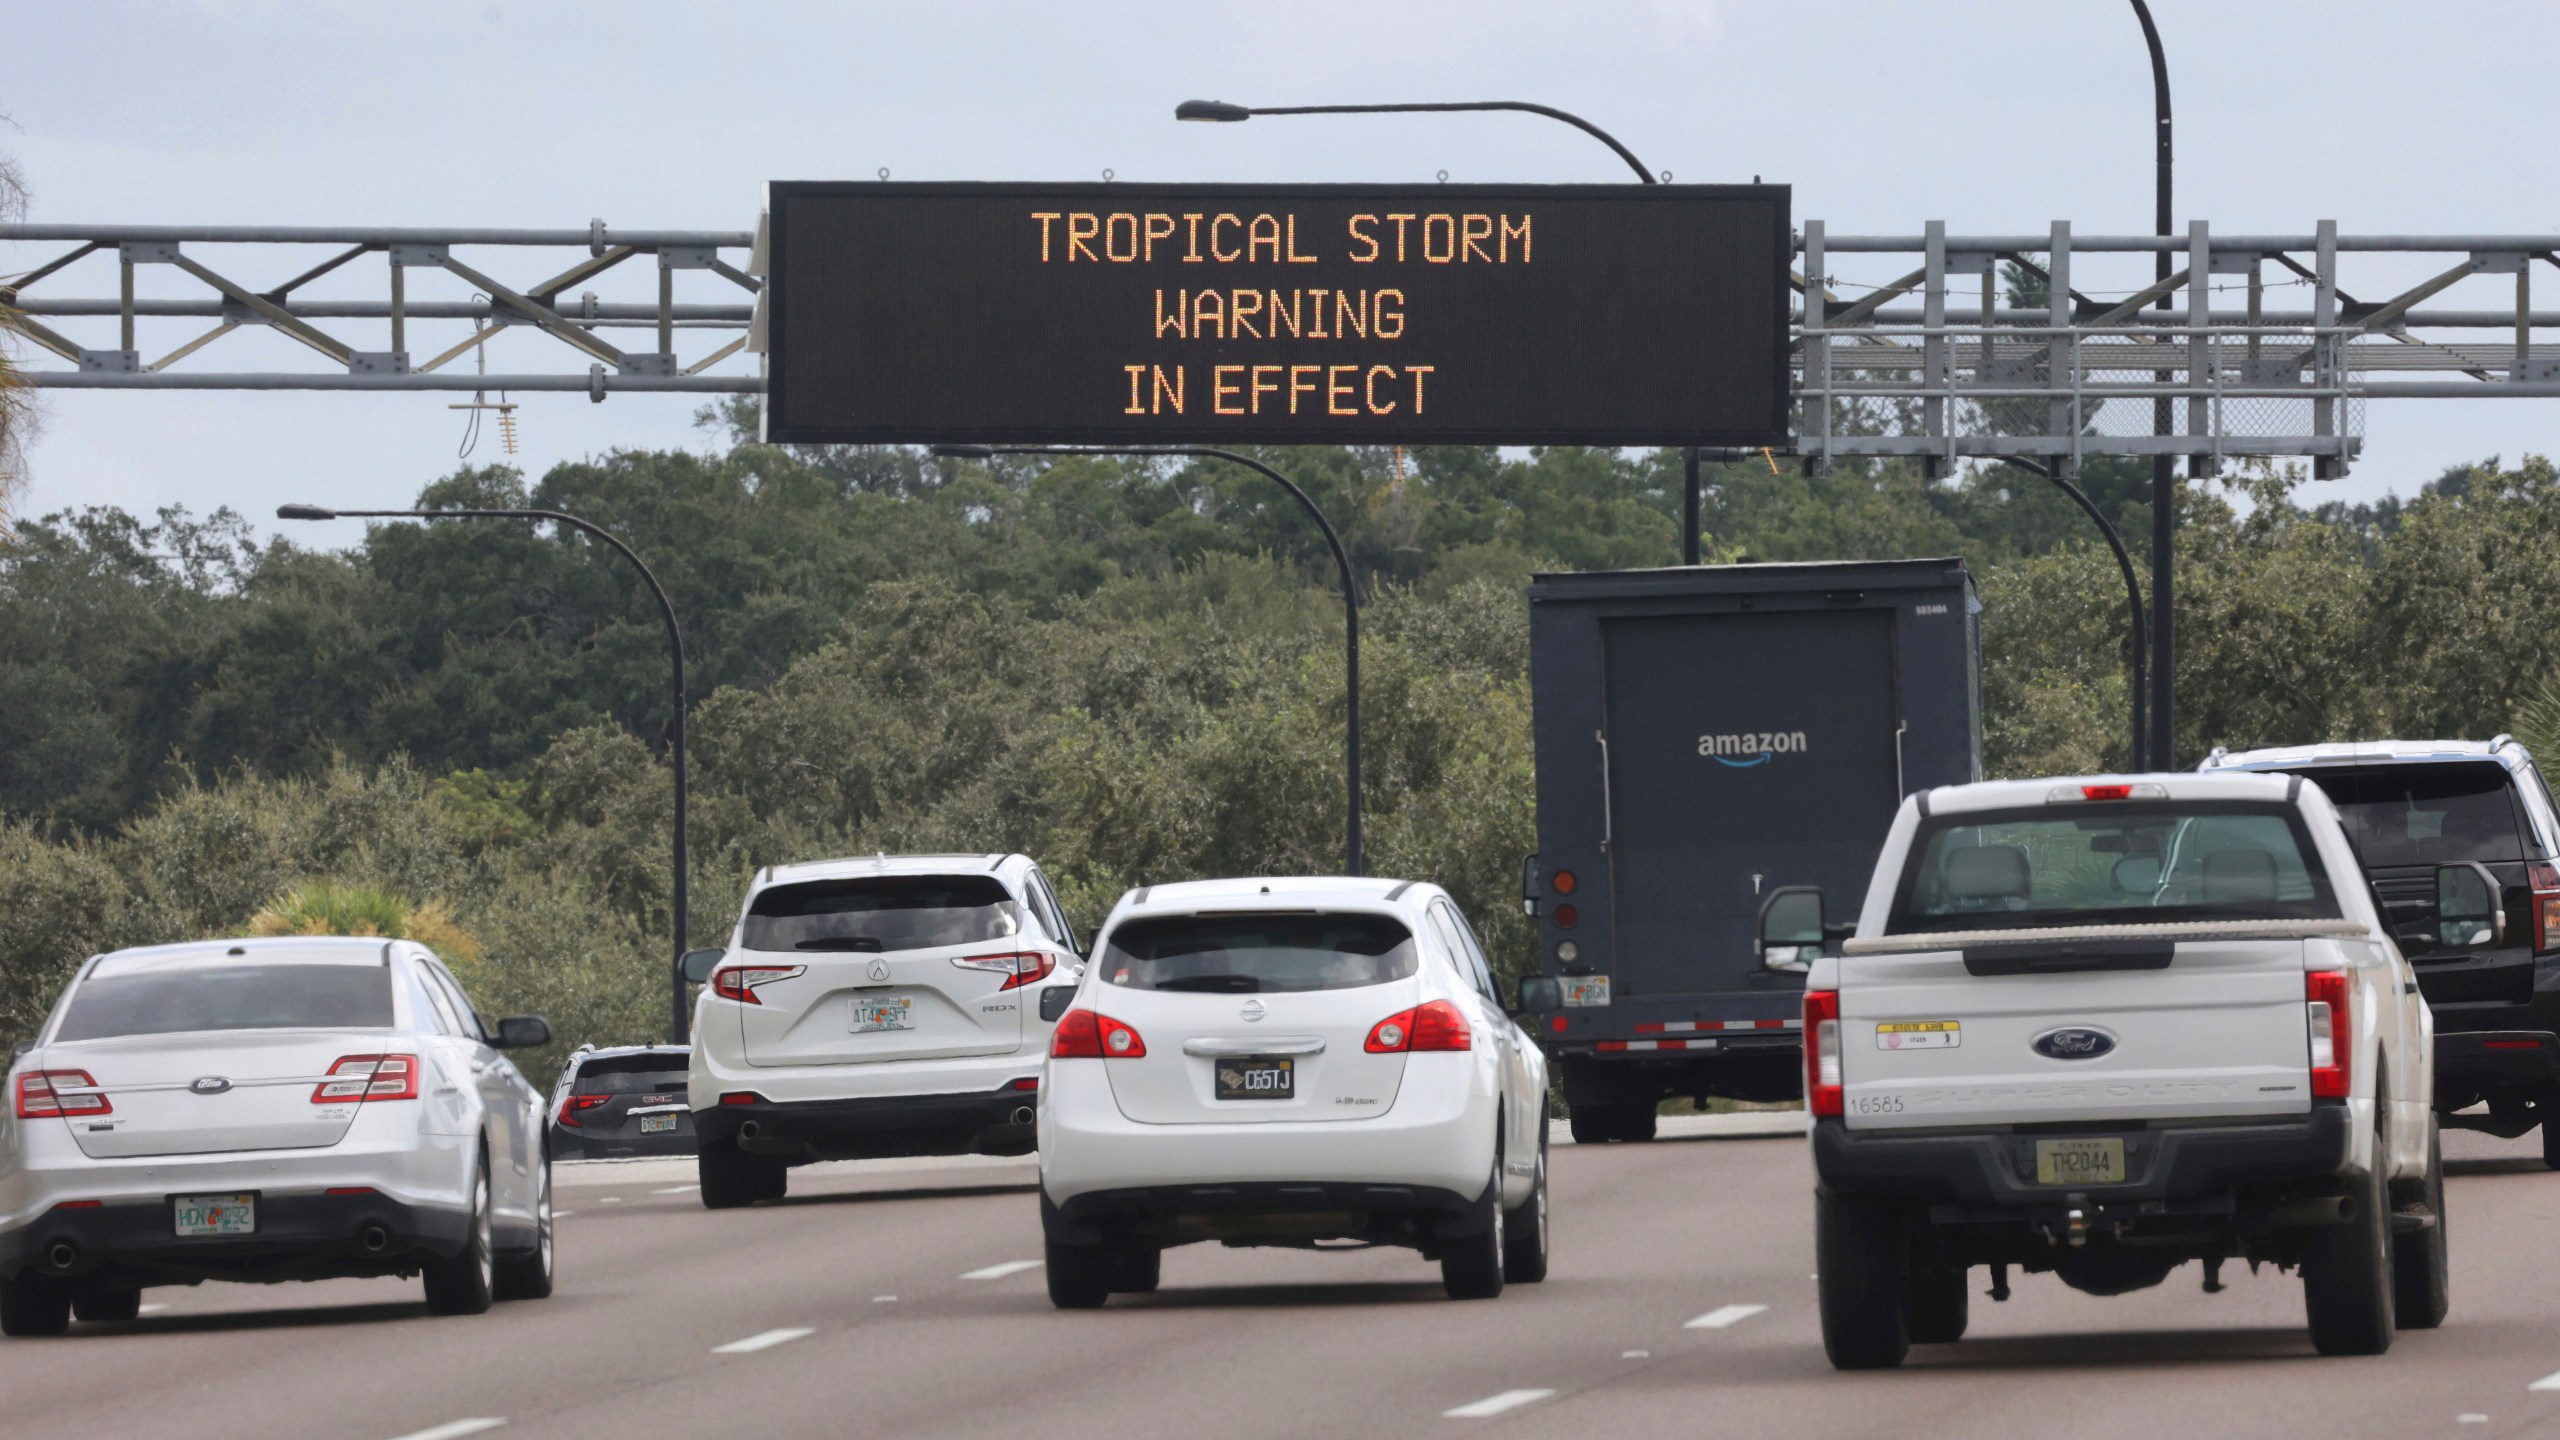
point(1875, 1104)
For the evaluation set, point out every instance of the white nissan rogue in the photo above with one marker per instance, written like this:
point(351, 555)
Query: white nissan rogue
point(1287, 1062)
point(887, 1006)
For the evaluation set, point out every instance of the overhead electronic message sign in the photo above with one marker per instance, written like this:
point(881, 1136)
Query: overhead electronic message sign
point(1320, 314)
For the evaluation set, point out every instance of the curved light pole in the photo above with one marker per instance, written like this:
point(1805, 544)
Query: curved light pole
point(675, 650)
point(2132, 589)
point(1354, 860)
point(2164, 485)
point(1222, 111)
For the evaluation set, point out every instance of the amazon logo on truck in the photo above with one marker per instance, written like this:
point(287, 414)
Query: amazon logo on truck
point(1751, 748)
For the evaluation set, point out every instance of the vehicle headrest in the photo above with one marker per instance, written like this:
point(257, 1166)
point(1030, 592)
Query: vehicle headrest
point(1988, 872)
point(2240, 875)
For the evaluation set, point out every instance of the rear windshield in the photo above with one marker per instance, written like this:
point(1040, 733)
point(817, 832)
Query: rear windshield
point(1242, 954)
point(244, 996)
point(2434, 814)
point(631, 1075)
point(2111, 863)
point(882, 912)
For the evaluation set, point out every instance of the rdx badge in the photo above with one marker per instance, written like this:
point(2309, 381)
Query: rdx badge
point(2073, 1043)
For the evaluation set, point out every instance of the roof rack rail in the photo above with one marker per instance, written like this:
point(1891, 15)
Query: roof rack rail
point(2500, 741)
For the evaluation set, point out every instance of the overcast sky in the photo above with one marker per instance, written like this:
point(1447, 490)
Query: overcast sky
point(1993, 115)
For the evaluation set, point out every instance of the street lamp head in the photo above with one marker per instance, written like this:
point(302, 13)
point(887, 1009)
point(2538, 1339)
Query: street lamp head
point(1218, 110)
point(964, 452)
point(304, 512)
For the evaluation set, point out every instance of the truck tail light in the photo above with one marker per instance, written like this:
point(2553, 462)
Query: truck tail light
point(2545, 880)
point(368, 1077)
point(1088, 1035)
point(1437, 1025)
point(1822, 1052)
point(576, 1105)
point(739, 982)
point(40, 1094)
point(2332, 1032)
point(1019, 968)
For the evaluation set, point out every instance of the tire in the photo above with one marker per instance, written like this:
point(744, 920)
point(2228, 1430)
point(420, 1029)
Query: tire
point(1524, 1252)
point(1471, 1265)
point(1863, 1270)
point(2347, 1272)
point(466, 1283)
point(528, 1276)
point(2550, 1107)
point(1136, 1270)
point(1079, 1275)
point(731, 1177)
point(2420, 1271)
point(34, 1305)
point(106, 1305)
point(1940, 1304)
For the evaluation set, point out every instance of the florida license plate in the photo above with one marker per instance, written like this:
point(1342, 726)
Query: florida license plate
point(657, 1124)
point(891, 1014)
point(235, 1214)
point(2080, 1162)
point(1258, 1078)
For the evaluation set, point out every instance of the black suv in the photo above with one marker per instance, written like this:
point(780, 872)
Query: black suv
point(2462, 847)
point(625, 1101)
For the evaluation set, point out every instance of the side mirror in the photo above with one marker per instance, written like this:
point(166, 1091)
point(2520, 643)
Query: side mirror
point(1539, 994)
point(1529, 885)
point(2469, 914)
point(521, 1032)
point(1791, 929)
point(21, 1050)
point(698, 964)
point(1054, 1002)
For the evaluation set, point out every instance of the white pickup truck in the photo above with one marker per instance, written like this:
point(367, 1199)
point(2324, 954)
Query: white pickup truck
point(2103, 1027)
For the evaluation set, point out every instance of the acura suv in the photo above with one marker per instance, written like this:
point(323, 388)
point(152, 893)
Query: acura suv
point(2462, 848)
point(883, 1006)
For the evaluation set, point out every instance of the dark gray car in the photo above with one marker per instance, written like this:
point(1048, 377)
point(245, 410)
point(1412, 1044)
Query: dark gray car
point(625, 1101)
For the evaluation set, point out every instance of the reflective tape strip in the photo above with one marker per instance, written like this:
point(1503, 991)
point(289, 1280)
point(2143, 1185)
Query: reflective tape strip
point(1686, 1027)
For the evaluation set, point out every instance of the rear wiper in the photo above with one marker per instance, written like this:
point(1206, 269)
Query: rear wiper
point(840, 942)
point(1222, 984)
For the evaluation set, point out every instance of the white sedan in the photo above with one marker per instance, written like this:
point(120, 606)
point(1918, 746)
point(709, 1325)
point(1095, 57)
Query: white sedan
point(1289, 1062)
point(270, 1109)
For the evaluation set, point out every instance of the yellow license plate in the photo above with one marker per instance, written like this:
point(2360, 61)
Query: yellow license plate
point(2080, 1162)
point(1919, 1034)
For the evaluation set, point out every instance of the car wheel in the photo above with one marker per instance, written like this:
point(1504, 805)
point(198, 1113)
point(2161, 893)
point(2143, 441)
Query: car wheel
point(1471, 1265)
point(106, 1305)
point(731, 1177)
point(1079, 1275)
point(2347, 1279)
point(1862, 1266)
point(1524, 1257)
point(1941, 1306)
point(1136, 1270)
point(34, 1305)
point(2420, 1270)
point(528, 1276)
point(465, 1283)
point(2550, 1106)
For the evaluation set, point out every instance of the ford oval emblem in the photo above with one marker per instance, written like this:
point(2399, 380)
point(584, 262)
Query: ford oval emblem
point(2073, 1042)
point(209, 1085)
point(1253, 1011)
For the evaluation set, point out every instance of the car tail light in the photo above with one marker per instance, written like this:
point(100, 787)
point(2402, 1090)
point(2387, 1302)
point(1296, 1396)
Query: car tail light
point(1019, 969)
point(350, 1190)
point(2332, 1033)
point(1027, 1082)
point(1822, 1083)
point(2545, 880)
point(1085, 1035)
point(1563, 882)
point(1568, 916)
point(1434, 1025)
point(739, 982)
point(40, 1094)
point(369, 1077)
point(742, 1097)
point(80, 1205)
point(576, 1105)
point(2061, 794)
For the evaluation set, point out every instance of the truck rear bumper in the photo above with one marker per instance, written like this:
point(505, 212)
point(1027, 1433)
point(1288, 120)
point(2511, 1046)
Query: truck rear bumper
point(1999, 1169)
point(2471, 1061)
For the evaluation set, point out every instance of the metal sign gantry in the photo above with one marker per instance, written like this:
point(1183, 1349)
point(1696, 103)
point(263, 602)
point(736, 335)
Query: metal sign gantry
point(1903, 369)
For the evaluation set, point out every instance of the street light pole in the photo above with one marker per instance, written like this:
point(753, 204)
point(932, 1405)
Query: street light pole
point(675, 650)
point(1221, 111)
point(2164, 486)
point(2132, 591)
point(1354, 856)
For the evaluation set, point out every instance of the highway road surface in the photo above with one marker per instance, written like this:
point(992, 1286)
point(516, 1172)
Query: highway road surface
point(904, 1298)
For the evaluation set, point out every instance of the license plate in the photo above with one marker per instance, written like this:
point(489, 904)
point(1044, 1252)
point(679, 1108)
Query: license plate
point(1586, 989)
point(2080, 1162)
point(872, 1015)
point(1919, 1035)
point(216, 1214)
point(657, 1124)
point(1258, 1078)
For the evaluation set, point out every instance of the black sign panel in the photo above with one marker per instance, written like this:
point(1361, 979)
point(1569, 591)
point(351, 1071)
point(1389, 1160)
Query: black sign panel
point(1318, 314)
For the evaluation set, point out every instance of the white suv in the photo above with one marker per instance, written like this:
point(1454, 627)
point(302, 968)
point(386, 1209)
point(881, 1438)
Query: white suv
point(888, 1006)
point(1282, 1062)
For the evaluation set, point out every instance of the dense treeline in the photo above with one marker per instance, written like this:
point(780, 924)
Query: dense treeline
point(1127, 669)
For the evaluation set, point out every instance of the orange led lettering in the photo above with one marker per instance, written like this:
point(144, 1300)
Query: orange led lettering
point(1297, 305)
point(1223, 256)
point(1081, 229)
point(1473, 231)
point(1193, 255)
point(1044, 217)
point(1375, 408)
point(1350, 313)
point(1208, 309)
point(1318, 333)
point(1417, 372)
point(1111, 238)
point(1164, 393)
point(1522, 232)
point(1306, 386)
point(1179, 322)
point(1154, 234)
point(1398, 221)
point(1337, 389)
point(1221, 389)
point(1358, 236)
point(1387, 320)
point(1445, 253)
point(1294, 257)
point(1265, 230)
point(1259, 388)
point(1240, 313)
point(1137, 373)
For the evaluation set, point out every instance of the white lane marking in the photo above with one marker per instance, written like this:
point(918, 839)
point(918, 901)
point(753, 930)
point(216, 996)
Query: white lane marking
point(998, 1272)
point(1723, 1316)
point(451, 1428)
point(1496, 1404)
point(2547, 1382)
point(884, 1299)
point(675, 1190)
point(765, 1341)
point(2473, 1418)
point(151, 1309)
point(562, 1214)
point(610, 1200)
point(1635, 1354)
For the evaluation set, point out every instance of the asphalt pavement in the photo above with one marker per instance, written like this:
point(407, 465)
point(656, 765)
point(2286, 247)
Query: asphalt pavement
point(904, 1298)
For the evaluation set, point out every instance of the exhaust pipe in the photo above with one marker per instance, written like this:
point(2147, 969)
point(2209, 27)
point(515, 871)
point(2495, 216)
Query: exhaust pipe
point(375, 1239)
point(63, 1255)
point(747, 1130)
point(1022, 1115)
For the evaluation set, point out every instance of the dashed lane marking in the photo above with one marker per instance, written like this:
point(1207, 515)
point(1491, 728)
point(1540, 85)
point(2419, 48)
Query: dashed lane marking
point(1723, 1316)
point(884, 1299)
point(998, 1272)
point(2547, 1382)
point(610, 1200)
point(452, 1428)
point(676, 1190)
point(765, 1341)
point(562, 1214)
point(151, 1309)
point(2471, 1418)
point(1496, 1404)
point(1635, 1354)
